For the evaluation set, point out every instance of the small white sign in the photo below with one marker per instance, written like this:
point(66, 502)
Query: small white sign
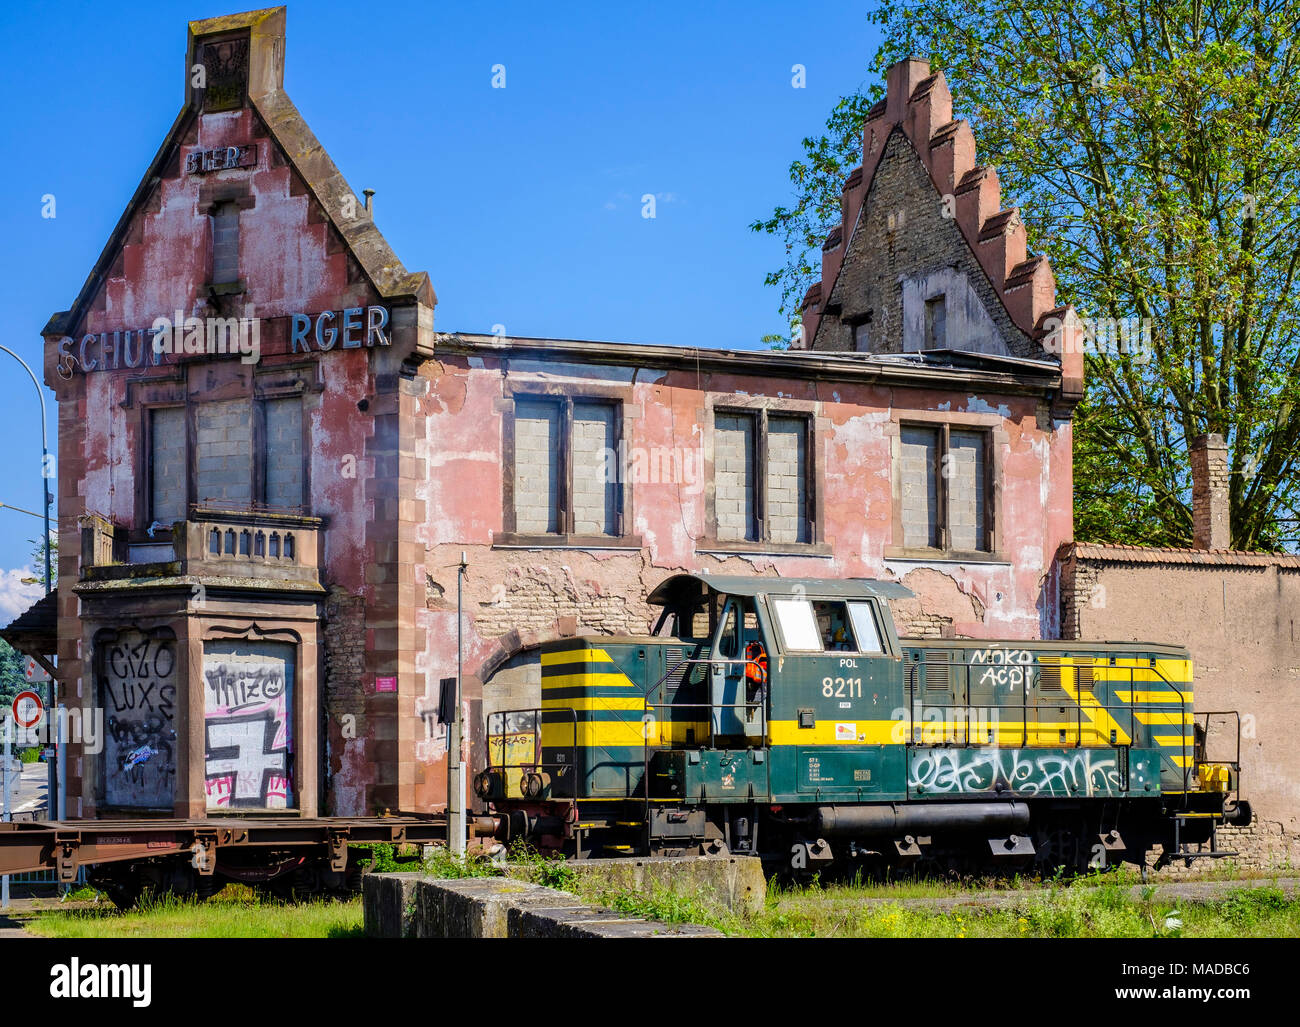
point(846, 732)
point(35, 672)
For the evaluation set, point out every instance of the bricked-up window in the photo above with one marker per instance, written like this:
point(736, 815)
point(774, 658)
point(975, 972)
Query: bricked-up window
point(943, 473)
point(936, 323)
point(761, 490)
point(168, 483)
point(225, 243)
point(224, 434)
point(566, 478)
point(283, 448)
point(247, 454)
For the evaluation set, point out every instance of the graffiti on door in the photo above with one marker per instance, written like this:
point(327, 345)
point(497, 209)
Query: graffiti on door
point(248, 703)
point(137, 688)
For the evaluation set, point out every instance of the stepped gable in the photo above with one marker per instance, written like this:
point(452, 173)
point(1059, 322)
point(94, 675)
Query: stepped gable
point(1017, 290)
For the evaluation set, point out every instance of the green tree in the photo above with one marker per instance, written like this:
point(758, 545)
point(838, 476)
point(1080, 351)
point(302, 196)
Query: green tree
point(1153, 150)
point(12, 677)
point(37, 577)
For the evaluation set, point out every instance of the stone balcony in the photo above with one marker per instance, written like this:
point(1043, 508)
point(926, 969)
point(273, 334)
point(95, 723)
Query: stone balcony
point(212, 547)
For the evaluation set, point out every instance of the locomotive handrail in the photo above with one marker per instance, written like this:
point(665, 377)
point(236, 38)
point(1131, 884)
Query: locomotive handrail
point(1236, 761)
point(537, 764)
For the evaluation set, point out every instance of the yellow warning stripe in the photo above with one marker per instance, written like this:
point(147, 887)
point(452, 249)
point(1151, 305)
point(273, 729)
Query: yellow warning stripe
point(621, 733)
point(588, 680)
point(1152, 697)
point(575, 656)
point(597, 703)
point(1098, 717)
point(898, 732)
point(1138, 670)
point(1153, 718)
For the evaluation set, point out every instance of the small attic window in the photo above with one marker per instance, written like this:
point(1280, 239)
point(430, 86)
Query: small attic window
point(936, 322)
point(225, 243)
point(862, 334)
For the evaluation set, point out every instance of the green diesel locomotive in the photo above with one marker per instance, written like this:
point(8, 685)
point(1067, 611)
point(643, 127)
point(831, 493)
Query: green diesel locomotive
point(784, 717)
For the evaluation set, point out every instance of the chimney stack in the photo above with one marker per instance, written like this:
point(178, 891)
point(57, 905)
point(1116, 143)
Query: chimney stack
point(1211, 527)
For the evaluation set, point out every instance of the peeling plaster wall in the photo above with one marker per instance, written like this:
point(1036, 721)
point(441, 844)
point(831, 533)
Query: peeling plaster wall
point(516, 598)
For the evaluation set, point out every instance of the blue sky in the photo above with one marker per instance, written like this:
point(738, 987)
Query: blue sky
point(522, 203)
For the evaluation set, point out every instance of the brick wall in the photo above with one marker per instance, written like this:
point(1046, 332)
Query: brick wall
point(167, 475)
point(903, 235)
point(343, 698)
point(225, 447)
point(595, 507)
point(533, 597)
point(284, 452)
point(537, 440)
point(1211, 482)
point(787, 482)
point(733, 476)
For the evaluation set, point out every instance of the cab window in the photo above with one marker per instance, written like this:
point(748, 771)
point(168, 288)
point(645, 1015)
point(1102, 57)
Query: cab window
point(828, 626)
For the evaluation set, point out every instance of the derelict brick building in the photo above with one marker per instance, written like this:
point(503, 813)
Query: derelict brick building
point(263, 601)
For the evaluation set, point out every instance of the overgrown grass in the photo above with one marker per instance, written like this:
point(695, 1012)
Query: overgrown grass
point(1081, 910)
point(239, 915)
point(521, 861)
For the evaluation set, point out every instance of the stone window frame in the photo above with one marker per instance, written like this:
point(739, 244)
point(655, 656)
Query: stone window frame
point(144, 395)
point(212, 197)
point(565, 395)
point(764, 407)
point(995, 439)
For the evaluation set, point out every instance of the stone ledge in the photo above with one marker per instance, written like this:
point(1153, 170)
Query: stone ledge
point(733, 884)
point(416, 906)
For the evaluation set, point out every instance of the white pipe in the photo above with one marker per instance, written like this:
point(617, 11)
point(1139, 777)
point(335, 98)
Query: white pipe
point(61, 757)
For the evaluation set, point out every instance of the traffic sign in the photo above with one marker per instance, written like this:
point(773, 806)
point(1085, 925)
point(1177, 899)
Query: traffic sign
point(34, 672)
point(27, 709)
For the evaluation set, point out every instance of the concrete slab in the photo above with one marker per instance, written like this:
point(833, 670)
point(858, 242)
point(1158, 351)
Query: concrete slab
point(414, 906)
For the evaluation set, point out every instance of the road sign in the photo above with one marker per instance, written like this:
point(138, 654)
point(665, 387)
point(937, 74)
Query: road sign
point(34, 672)
point(27, 709)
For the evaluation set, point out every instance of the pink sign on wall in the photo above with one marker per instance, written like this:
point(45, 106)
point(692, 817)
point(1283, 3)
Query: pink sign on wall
point(385, 684)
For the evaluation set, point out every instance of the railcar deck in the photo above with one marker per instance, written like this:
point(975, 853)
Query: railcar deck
point(63, 846)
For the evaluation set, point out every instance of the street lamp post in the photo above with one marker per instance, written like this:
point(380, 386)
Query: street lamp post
point(45, 463)
point(55, 799)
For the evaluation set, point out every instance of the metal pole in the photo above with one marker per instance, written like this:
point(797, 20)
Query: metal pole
point(45, 461)
point(4, 880)
point(457, 822)
point(45, 509)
